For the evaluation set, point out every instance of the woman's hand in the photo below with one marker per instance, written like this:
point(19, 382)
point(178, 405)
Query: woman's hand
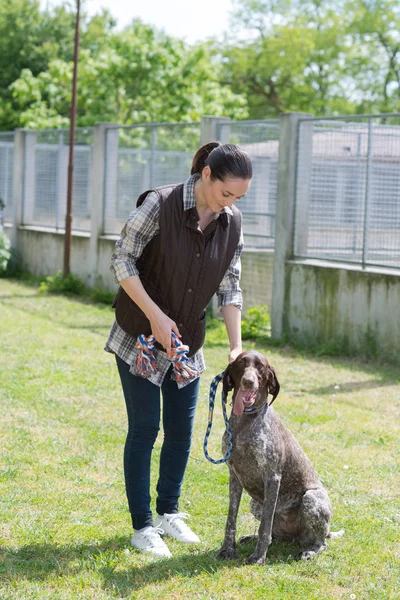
point(162, 327)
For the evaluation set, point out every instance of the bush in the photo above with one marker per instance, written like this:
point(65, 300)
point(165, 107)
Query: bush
point(102, 296)
point(5, 252)
point(56, 284)
point(72, 284)
point(256, 323)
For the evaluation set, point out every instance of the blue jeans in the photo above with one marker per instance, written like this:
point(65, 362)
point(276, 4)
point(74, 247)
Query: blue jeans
point(143, 407)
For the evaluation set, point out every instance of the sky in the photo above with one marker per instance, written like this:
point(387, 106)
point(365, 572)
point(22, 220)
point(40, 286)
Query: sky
point(185, 19)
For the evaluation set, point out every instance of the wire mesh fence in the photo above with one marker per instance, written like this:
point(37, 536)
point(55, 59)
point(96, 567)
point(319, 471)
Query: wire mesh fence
point(45, 178)
point(141, 157)
point(261, 140)
point(348, 190)
point(6, 173)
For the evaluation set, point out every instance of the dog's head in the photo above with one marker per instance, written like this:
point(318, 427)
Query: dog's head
point(251, 377)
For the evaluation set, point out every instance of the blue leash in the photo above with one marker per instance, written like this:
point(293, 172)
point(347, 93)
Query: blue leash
point(213, 389)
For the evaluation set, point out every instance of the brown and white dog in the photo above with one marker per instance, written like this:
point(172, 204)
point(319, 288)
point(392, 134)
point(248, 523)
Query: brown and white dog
point(267, 461)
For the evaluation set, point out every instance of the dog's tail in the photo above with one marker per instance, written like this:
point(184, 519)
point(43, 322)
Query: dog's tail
point(335, 534)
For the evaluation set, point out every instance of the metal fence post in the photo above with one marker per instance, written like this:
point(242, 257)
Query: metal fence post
point(62, 167)
point(367, 201)
point(209, 128)
point(110, 177)
point(302, 191)
point(18, 184)
point(285, 206)
point(29, 191)
point(97, 208)
point(153, 156)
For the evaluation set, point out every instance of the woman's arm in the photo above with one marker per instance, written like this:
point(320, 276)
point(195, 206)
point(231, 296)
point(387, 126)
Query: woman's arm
point(140, 228)
point(232, 317)
point(230, 302)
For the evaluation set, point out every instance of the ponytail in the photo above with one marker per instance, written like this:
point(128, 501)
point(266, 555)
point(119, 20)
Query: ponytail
point(224, 160)
point(201, 156)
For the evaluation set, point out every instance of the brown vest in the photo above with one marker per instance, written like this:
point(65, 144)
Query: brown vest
point(181, 267)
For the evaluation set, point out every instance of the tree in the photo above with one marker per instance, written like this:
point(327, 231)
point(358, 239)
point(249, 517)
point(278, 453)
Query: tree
point(31, 39)
point(294, 59)
point(375, 26)
point(143, 75)
point(322, 56)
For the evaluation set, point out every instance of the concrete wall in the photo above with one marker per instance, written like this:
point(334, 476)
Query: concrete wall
point(347, 308)
point(42, 251)
point(344, 307)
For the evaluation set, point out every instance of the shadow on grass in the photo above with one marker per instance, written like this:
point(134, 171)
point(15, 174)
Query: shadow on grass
point(387, 373)
point(45, 316)
point(37, 562)
point(350, 387)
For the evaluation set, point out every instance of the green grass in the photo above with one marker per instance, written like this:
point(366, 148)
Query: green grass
point(64, 524)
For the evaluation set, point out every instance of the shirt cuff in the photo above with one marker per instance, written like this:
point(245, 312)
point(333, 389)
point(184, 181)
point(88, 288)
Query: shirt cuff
point(227, 298)
point(123, 270)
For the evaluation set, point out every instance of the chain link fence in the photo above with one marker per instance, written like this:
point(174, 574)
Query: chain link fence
point(261, 140)
point(348, 190)
point(45, 178)
point(6, 173)
point(141, 157)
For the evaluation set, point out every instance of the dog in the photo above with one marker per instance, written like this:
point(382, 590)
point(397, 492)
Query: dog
point(287, 496)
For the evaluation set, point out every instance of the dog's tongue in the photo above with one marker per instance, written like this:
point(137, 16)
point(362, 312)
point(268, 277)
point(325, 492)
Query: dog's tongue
point(240, 399)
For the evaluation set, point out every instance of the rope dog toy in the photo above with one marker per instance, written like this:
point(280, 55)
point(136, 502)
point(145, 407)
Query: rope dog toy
point(213, 389)
point(146, 362)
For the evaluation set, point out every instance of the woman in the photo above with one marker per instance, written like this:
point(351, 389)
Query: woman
point(181, 245)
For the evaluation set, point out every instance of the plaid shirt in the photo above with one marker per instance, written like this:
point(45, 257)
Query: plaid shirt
point(141, 227)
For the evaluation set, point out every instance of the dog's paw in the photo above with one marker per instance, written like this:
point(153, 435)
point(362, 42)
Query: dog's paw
point(255, 559)
point(305, 555)
point(247, 539)
point(311, 552)
point(226, 553)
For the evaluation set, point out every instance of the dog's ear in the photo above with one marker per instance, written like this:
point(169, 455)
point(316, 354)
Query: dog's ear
point(272, 383)
point(227, 382)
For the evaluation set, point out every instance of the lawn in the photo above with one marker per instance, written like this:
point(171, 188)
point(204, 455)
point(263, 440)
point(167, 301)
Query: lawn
point(64, 524)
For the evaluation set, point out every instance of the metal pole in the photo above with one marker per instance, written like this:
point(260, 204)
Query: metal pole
point(153, 156)
point(358, 184)
point(367, 203)
point(59, 178)
point(68, 216)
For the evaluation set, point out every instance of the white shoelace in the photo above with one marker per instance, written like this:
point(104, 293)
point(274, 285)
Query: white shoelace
point(177, 521)
point(152, 534)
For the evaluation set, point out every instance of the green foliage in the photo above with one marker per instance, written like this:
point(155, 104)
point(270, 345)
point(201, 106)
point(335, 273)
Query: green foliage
point(56, 284)
point(331, 57)
point(102, 296)
point(256, 323)
point(139, 75)
point(74, 285)
point(5, 252)
point(255, 326)
point(216, 332)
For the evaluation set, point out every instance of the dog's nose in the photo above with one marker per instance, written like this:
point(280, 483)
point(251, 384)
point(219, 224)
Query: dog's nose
point(249, 380)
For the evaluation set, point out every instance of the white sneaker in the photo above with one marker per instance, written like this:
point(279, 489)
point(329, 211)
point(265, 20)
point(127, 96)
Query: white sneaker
point(174, 526)
point(149, 540)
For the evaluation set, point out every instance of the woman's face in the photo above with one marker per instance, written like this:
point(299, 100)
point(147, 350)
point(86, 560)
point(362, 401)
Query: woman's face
point(219, 194)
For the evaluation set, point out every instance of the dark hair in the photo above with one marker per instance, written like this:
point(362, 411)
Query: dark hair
point(224, 160)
